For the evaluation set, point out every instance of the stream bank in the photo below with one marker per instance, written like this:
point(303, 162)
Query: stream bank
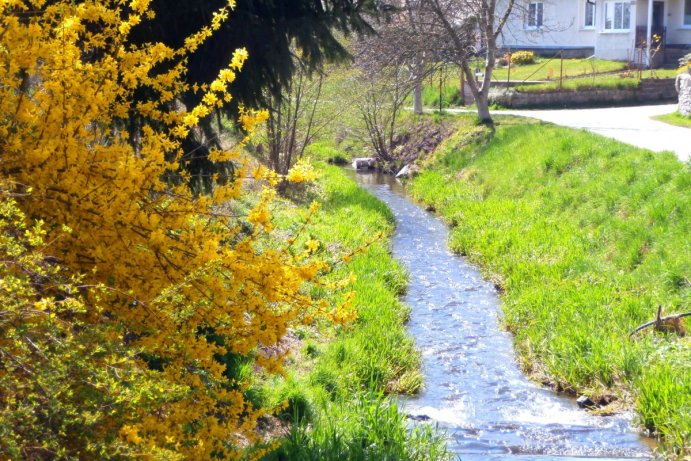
point(586, 236)
point(474, 389)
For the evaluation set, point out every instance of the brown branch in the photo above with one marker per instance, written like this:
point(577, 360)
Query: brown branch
point(659, 321)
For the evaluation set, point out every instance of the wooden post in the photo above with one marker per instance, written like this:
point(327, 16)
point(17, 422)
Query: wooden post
point(561, 70)
point(440, 79)
point(462, 88)
point(649, 34)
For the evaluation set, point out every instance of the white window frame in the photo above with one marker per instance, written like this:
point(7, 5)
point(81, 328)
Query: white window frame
point(686, 13)
point(610, 8)
point(537, 16)
point(589, 4)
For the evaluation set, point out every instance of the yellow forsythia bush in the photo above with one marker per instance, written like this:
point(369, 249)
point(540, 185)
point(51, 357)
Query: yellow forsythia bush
point(69, 388)
point(522, 57)
point(137, 290)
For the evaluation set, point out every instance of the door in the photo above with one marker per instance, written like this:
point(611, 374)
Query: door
point(658, 24)
point(658, 15)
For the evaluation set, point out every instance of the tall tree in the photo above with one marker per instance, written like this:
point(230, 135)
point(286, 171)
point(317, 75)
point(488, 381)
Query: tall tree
point(291, 123)
point(393, 63)
point(472, 27)
point(271, 31)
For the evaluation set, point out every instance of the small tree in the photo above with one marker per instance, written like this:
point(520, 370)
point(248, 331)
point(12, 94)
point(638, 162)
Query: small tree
point(385, 77)
point(291, 122)
point(392, 65)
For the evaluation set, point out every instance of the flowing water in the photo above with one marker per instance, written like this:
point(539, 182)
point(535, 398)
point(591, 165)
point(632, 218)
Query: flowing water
point(474, 389)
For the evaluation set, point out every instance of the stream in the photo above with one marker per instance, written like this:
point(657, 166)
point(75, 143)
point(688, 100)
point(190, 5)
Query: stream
point(474, 390)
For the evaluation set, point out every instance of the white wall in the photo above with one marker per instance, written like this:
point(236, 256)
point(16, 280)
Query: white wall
point(562, 27)
point(677, 32)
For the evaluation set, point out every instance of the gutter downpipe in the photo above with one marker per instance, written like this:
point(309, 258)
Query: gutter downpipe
point(649, 33)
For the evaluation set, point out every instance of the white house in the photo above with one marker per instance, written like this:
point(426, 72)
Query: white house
point(610, 29)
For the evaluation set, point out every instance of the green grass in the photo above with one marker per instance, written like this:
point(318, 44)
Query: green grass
point(367, 427)
point(607, 81)
point(621, 80)
point(545, 69)
point(587, 236)
point(450, 92)
point(675, 118)
point(336, 389)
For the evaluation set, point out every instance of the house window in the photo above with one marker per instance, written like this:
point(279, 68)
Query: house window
point(589, 21)
point(535, 11)
point(617, 16)
point(687, 13)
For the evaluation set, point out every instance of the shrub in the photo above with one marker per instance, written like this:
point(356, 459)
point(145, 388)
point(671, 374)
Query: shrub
point(685, 63)
point(504, 60)
point(522, 57)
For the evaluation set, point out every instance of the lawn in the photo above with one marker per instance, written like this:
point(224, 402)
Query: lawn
point(618, 80)
point(550, 69)
point(588, 237)
point(675, 118)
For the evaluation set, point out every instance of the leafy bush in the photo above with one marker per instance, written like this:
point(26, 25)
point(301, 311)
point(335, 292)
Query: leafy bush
point(504, 60)
point(685, 63)
point(522, 57)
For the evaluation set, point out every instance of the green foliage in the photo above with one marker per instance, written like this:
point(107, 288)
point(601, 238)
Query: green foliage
point(587, 236)
point(450, 95)
point(268, 29)
point(450, 79)
point(323, 152)
point(520, 58)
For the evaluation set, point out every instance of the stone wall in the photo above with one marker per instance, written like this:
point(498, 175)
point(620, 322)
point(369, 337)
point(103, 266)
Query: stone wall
point(683, 86)
point(650, 91)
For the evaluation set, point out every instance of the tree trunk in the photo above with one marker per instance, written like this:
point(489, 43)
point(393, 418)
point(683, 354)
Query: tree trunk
point(417, 97)
point(482, 101)
point(481, 95)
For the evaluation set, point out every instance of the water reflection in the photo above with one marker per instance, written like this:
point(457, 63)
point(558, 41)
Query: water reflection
point(473, 387)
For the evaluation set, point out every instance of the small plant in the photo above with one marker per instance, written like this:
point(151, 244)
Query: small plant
point(503, 61)
point(685, 63)
point(520, 58)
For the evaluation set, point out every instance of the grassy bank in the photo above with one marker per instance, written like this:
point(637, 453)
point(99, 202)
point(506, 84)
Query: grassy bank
point(335, 390)
point(675, 118)
point(587, 236)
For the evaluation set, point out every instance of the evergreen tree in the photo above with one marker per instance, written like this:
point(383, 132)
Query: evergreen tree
point(271, 31)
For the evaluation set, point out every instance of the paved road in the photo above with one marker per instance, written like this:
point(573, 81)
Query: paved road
point(631, 125)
